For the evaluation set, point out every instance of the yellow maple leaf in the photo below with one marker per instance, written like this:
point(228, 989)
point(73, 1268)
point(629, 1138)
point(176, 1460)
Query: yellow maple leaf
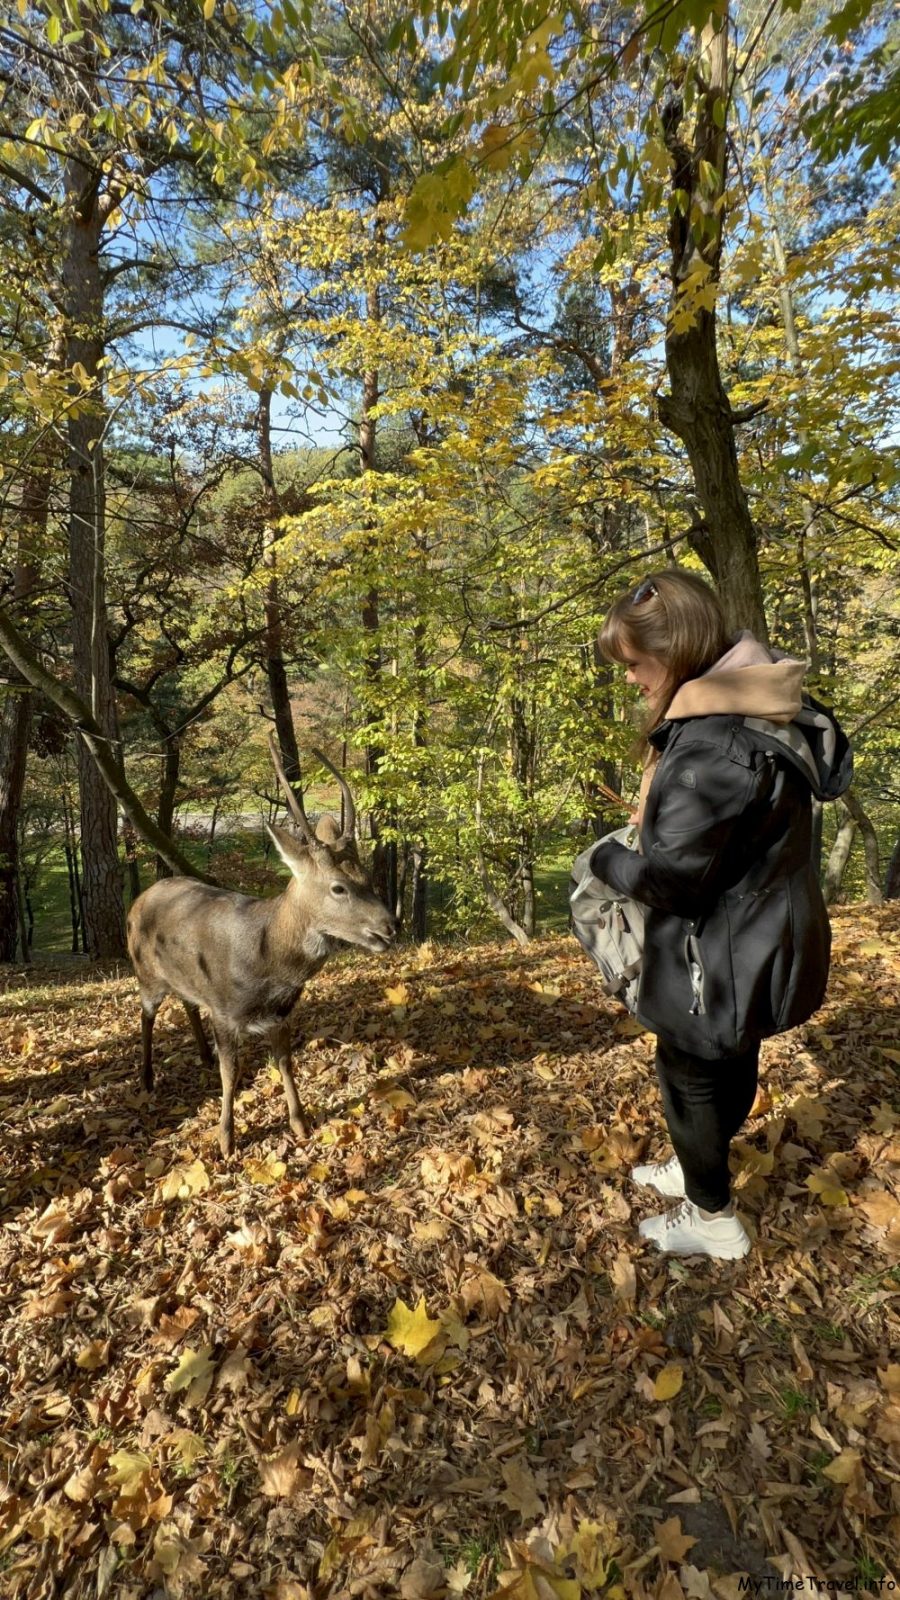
point(268, 1171)
point(592, 1547)
point(826, 1186)
point(668, 1381)
point(194, 1372)
point(183, 1181)
point(411, 1331)
point(189, 1447)
point(129, 1470)
point(398, 995)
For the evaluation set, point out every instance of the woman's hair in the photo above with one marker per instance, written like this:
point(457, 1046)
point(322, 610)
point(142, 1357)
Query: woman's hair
point(674, 616)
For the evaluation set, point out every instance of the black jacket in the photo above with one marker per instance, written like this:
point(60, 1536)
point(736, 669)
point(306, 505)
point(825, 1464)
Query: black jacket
point(737, 940)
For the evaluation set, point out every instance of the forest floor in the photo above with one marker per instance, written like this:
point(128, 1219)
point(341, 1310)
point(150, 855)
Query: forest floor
point(426, 1354)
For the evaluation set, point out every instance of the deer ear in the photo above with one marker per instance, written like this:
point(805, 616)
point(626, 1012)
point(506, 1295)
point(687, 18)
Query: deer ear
point(292, 850)
point(328, 830)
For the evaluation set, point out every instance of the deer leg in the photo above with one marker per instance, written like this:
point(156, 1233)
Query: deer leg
point(226, 1049)
point(148, 1017)
point(197, 1029)
point(280, 1043)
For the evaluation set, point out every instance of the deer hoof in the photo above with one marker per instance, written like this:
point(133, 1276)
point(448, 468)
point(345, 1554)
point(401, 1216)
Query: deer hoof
point(299, 1128)
point(226, 1142)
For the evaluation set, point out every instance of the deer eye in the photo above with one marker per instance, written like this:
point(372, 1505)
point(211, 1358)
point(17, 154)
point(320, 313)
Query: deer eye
point(338, 888)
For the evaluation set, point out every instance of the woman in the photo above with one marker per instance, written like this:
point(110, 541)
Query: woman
point(736, 940)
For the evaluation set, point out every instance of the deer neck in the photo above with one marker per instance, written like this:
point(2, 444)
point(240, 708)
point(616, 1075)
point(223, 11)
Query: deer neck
point(296, 943)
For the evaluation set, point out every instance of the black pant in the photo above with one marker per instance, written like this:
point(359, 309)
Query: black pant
point(705, 1103)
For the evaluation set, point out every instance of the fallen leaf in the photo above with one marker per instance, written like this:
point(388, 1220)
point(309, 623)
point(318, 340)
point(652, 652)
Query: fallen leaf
point(188, 1446)
point(184, 1181)
point(172, 1329)
point(93, 1356)
point(235, 1370)
point(668, 1381)
point(881, 1208)
point(593, 1547)
point(265, 1172)
point(430, 1232)
point(521, 1493)
point(844, 1468)
point(129, 1471)
point(410, 1331)
point(827, 1187)
point(81, 1486)
point(421, 1580)
point(280, 1475)
point(673, 1544)
point(484, 1293)
point(623, 1277)
point(194, 1373)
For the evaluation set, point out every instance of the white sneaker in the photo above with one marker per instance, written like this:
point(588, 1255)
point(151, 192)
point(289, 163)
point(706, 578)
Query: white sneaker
point(683, 1232)
point(666, 1177)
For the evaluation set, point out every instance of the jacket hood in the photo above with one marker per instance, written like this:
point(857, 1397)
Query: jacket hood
point(764, 687)
point(747, 681)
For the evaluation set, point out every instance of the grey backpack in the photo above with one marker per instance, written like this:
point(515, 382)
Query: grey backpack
point(609, 926)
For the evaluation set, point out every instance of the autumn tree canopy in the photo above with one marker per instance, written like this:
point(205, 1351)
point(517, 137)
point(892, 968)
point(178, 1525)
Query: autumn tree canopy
point(354, 359)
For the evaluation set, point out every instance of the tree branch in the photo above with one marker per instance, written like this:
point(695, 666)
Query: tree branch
point(25, 182)
point(24, 657)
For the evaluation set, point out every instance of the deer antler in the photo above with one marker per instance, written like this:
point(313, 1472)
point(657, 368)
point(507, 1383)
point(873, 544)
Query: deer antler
point(294, 804)
point(349, 807)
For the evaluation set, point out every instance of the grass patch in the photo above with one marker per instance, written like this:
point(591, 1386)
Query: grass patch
point(795, 1403)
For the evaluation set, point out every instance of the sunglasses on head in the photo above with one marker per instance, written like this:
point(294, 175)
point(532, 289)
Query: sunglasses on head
point(644, 591)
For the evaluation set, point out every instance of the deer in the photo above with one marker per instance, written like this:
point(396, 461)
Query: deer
point(245, 960)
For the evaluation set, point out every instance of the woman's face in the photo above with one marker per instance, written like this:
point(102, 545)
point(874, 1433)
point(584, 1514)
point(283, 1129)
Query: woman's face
point(648, 672)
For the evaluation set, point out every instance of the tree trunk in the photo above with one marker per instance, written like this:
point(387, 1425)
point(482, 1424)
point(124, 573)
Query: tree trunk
point(419, 896)
point(811, 529)
point(697, 408)
point(131, 861)
point(381, 856)
point(892, 876)
point(274, 634)
point(500, 910)
point(168, 788)
point(15, 716)
point(837, 860)
point(522, 761)
point(852, 803)
point(74, 896)
point(499, 907)
point(21, 913)
point(14, 721)
point(82, 285)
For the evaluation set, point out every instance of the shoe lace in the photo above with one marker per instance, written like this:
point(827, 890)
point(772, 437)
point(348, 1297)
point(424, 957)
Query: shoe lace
point(681, 1214)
